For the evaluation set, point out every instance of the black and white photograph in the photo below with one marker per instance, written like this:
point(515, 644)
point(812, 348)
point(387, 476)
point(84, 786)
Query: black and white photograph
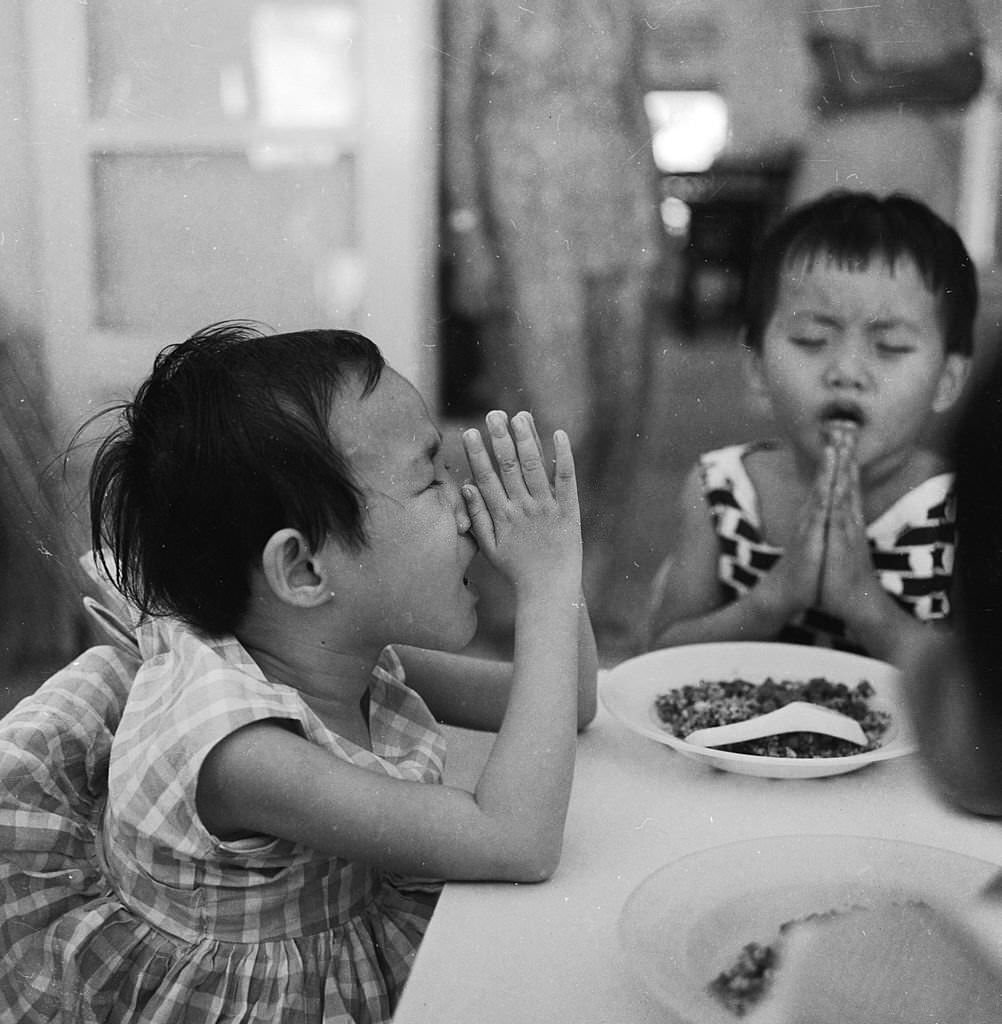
point(497, 513)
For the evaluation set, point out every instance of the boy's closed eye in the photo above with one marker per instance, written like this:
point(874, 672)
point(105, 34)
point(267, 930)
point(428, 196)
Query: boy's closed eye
point(892, 336)
point(809, 342)
point(890, 347)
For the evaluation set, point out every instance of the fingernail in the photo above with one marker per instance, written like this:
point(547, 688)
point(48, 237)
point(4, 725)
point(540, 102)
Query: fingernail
point(496, 422)
point(522, 423)
point(472, 435)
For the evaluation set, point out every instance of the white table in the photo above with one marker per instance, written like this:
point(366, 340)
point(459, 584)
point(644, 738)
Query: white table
point(523, 953)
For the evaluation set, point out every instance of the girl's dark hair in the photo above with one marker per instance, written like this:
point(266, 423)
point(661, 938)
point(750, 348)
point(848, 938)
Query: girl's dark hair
point(227, 441)
point(977, 577)
point(850, 229)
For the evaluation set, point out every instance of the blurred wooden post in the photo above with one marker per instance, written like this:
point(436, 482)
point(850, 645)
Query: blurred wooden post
point(41, 622)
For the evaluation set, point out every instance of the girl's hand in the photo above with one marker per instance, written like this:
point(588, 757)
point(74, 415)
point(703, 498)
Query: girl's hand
point(527, 529)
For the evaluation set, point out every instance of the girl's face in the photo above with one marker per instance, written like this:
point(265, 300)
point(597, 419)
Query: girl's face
point(408, 584)
point(864, 345)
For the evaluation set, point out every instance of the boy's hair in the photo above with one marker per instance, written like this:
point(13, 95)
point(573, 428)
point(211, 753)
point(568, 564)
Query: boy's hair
point(226, 442)
point(853, 228)
point(977, 576)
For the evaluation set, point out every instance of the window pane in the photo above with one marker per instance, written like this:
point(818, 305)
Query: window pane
point(185, 240)
point(282, 62)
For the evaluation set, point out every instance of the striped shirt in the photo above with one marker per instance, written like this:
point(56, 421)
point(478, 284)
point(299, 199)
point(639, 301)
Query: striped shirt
point(911, 546)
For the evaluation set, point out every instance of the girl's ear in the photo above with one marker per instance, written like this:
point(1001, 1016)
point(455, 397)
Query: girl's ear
point(293, 573)
point(952, 378)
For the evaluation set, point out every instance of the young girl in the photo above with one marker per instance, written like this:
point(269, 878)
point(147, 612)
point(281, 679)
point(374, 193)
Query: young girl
point(840, 532)
point(277, 510)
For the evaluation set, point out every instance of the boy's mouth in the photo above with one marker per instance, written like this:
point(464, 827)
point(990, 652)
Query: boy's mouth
point(842, 413)
point(840, 421)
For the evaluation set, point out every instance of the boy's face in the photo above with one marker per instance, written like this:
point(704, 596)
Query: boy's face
point(408, 584)
point(864, 345)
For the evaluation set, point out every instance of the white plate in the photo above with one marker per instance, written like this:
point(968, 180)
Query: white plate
point(628, 692)
point(689, 920)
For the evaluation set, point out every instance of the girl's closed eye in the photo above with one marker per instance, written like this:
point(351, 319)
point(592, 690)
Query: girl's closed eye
point(440, 475)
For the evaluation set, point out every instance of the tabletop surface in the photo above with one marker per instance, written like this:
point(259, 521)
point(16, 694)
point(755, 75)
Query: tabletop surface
point(549, 952)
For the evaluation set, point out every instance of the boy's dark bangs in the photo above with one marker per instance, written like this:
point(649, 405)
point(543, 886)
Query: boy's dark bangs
point(856, 248)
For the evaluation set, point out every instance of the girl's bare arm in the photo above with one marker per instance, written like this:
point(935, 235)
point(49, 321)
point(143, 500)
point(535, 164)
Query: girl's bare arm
point(472, 692)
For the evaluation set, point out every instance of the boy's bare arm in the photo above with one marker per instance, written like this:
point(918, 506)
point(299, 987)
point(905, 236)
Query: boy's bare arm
point(690, 609)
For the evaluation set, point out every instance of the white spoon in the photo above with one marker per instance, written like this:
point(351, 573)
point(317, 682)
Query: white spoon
point(797, 716)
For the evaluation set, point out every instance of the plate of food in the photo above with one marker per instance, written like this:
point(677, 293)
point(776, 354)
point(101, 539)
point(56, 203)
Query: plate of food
point(665, 695)
point(705, 934)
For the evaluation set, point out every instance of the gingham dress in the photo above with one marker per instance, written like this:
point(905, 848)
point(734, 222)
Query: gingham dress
point(911, 545)
point(258, 931)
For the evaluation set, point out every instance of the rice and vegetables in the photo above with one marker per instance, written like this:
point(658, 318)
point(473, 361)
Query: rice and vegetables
point(721, 702)
point(743, 985)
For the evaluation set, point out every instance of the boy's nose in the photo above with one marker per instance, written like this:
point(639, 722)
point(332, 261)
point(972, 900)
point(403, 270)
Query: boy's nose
point(848, 368)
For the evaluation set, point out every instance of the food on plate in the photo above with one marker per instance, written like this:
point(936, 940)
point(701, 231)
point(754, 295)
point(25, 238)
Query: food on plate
point(742, 986)
point(721, 702)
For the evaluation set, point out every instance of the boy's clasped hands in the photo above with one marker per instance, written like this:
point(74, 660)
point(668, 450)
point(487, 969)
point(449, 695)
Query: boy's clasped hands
point(828, 564)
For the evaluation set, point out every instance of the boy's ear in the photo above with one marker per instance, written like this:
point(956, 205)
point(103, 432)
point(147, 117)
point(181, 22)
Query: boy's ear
point(952, 379)
point(293, 573)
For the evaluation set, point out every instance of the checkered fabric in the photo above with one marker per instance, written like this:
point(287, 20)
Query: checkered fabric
point(911, 545)
point(186, 927)
point(54, 749)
